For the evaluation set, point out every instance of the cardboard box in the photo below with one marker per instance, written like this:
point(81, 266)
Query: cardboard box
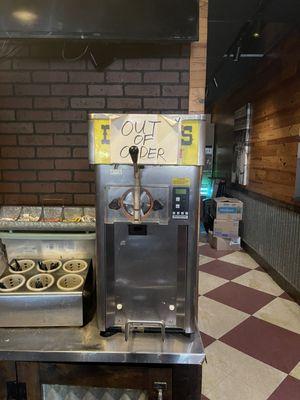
point(228, 208)
point(224, 244)
point(226, 229)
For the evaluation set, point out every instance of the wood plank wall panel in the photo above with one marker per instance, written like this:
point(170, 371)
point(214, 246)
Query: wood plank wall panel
point(198, 64)
point(274, 92)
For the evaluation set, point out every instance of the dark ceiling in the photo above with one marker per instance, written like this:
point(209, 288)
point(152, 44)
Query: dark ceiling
point(230, 37)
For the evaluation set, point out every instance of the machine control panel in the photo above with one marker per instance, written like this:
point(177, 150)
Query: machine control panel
point(180, 202)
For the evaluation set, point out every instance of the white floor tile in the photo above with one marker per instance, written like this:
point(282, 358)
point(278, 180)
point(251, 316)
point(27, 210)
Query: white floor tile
point(281, 312)
point(205, 259)
point(295, 373)
point(208, 282)
point(240, 258)
point(259, 280)
point(239, 376)
point(216, 319)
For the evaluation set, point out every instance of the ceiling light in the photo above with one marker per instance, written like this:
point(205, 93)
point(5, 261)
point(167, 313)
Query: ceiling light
point(25, 16)
point(257, 28)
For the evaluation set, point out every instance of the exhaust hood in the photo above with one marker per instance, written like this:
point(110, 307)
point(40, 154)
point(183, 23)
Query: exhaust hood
point(107, 20)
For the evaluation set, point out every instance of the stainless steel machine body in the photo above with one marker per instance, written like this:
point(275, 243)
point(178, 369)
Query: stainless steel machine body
point(147, 272)
point(147, 229)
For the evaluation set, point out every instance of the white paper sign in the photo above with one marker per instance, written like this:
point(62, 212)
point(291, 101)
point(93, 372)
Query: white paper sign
point(156, 136)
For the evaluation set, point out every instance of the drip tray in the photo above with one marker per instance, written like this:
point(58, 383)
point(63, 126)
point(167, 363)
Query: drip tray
point(44, 293)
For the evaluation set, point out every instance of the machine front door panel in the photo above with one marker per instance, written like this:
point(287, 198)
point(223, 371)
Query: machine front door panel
point(146, 262)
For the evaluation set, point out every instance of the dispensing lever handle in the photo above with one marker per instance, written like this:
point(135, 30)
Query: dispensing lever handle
point(134, 153)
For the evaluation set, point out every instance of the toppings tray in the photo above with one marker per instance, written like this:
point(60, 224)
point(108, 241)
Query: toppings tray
point(47, 218)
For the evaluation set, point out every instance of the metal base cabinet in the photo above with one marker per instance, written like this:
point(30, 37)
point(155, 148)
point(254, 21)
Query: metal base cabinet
point(37, 381)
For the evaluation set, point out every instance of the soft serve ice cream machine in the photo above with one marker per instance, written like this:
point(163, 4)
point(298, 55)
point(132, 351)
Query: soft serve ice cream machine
point(148, 172)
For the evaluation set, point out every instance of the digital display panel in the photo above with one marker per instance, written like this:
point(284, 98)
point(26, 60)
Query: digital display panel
point(180, 191)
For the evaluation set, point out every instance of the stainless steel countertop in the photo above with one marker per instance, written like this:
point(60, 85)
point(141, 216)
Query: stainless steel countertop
point(86, 345)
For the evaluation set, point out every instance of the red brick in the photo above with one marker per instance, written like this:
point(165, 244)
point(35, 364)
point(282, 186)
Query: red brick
point(105, 90)
point(29, 64)
point(5, 64)
point(68, 65)
point(53, 152)
point(17, 199)
point(35, 140)
point(124, 103)
point(175, 90)
point(36, 164)
point(142, 64)
point(184, 77)
point(158, 103)
point(19, 176)
point(15, 102)
point(23, 51)
point(50, 76)
point(33, 115)
point(37, 187)
point(8, 164)
point(6, 89)
point(79, 127)
point(52, 127)
point(69, 90)
point(55, 175)
point(32, 90)
point(16, 127)
point(8, 140)
point(142, 90)
point(69, 115)
point(121, 76)
point(70, 140)
point(176, 63)
point(51, 102)
point(184, 103)
point(7, 187)
point(72, 187)
point(116, 65)
point(72, 164)
point(86, 77)
point(12, 152)
point(56, 199)
point(80, 152)
point(84, 176)
point(14, 77)
point(85, 199)
point(7, 115)
point(163, 77)
point(88, 102)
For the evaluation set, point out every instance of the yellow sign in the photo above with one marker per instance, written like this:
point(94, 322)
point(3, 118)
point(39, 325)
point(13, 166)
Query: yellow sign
point(190, 130)
point(181, 182)
point(100, 139)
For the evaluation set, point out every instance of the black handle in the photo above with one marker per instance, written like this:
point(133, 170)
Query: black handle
point(134, 153)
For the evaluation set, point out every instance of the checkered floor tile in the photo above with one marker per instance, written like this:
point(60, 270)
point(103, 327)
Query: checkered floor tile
point(250, 330)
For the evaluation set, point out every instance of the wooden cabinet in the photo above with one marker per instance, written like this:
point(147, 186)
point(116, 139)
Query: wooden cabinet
point(25, 380)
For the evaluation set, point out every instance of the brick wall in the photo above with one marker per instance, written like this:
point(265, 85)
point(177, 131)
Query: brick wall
point(44, 103)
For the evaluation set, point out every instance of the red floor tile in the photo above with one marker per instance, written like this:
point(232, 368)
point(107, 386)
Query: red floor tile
point(206, 339)
point(240, 297)
point(266, 342)
point(223, 269)
point(203, 397)
point(289, 389)
point(210, 252)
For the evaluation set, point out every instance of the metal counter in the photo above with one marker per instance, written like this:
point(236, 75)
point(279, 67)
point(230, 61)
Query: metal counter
point(86, 345)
